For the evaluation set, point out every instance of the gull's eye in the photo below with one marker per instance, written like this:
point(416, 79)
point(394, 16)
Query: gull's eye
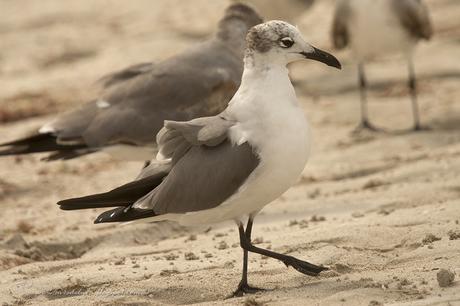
point(286, 42)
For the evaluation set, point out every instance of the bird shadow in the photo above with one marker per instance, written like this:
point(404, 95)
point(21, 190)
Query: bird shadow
point(450, 122)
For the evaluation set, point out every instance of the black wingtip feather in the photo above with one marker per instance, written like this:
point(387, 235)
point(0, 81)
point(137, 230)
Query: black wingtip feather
point(121, 196)
point(39, 143)
point(27, 145)
point(100, 200)
point(124, 214)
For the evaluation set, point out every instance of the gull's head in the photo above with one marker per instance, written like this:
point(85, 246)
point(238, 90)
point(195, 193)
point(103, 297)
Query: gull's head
point(282, 43)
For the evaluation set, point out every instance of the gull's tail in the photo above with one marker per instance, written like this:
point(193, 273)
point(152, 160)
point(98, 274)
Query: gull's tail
point(124, 197)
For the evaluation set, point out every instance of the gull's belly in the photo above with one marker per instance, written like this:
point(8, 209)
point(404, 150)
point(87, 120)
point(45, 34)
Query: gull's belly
point(375, 30)
point(283, 162)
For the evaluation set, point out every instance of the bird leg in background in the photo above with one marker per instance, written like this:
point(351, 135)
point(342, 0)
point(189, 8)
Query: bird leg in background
point(243, 286)
point(365, 123)
point(413, 93)
point(300, 265)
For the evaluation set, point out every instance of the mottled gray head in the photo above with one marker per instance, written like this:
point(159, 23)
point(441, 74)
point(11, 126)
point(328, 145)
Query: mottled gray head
point(280, 42)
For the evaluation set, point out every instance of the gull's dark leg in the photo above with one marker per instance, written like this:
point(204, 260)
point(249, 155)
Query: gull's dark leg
point(365, 123)
point(300, 265)
point(243, 286)
point(245, 242)
point(413, 92)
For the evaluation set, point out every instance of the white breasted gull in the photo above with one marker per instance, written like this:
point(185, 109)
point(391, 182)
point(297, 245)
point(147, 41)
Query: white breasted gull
point(228, 166)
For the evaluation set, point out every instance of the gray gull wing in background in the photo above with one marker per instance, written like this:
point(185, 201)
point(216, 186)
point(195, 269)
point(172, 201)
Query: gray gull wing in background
point(134, 102)
point(414, 17)
point(340, 33)
point(206, 170)
point(124, 74)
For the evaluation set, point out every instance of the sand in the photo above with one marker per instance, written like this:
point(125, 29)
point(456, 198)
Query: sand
point(381, 210)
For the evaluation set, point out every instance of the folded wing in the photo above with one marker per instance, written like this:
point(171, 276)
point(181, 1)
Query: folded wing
point(340, 33)
point(414, 17)
point(206, 169)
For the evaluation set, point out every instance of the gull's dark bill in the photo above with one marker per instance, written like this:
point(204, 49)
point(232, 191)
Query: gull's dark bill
point(323, 57)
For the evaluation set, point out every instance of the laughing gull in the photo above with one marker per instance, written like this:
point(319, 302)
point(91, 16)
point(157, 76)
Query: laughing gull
point(228, 166)
point(134, 102)
point(377, 27)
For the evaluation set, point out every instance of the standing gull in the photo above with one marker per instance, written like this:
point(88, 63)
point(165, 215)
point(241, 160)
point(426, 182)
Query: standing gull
point(378, 27)
point(229, 166)
point(134, 102)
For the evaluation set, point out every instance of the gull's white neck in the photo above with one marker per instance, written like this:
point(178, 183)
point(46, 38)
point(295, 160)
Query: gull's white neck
point(265, 106)
point(265, 85)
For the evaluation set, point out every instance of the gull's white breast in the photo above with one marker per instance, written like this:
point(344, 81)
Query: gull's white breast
point(271, 121)
point(375, 30)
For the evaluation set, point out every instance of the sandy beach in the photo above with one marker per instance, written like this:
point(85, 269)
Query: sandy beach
point(382, 210)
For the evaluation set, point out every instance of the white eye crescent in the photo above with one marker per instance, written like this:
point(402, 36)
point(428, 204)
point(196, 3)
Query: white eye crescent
point(286, 42)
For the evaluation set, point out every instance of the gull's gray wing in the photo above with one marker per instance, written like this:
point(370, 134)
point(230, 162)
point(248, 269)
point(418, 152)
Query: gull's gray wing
point(202, 179)
point(134, 102)
point(125, 74)
point(340, 33)
point(413, 16)
point(70, 127)
point(207, 168)
point(133, 107)
point(175, 138)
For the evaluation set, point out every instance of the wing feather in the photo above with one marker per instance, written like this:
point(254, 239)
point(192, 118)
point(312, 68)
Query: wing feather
point(413, 16)
point(340, 33)
point(125, 74)
point(206, 169)
point(208, 131)
point(202, 179)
